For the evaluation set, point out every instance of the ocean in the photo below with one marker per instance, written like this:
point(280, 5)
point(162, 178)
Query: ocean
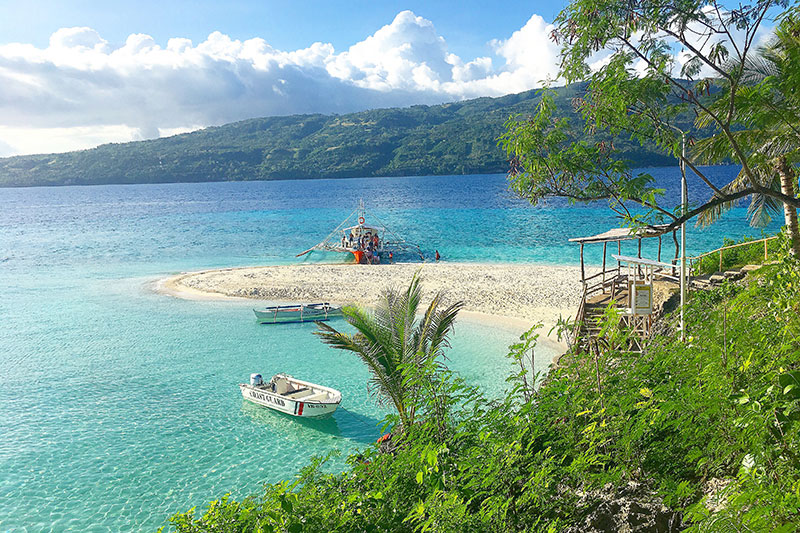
point(119, 406)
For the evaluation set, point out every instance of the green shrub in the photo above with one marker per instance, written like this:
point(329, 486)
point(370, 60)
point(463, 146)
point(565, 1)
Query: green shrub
point(739, 256)
point(723, 406)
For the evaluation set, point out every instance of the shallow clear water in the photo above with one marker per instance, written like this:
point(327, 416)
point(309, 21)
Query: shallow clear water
point(119, 406)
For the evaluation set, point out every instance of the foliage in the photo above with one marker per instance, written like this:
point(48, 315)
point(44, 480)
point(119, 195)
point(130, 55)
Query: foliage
point(641, 88)
point(453, 138)
point(768, 111)
point(712, 427)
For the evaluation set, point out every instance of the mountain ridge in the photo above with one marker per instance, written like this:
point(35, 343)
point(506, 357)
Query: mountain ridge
point(451, 138)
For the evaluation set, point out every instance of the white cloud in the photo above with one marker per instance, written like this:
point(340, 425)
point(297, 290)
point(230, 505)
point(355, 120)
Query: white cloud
point(530, 53)
point(22, 140)
point(406, 54)
point(80, 91)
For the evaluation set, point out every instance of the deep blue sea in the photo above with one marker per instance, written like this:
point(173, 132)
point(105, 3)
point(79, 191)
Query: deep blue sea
point(120, 406)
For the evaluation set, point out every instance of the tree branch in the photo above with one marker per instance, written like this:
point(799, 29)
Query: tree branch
point(708, 205)
point(703, 177)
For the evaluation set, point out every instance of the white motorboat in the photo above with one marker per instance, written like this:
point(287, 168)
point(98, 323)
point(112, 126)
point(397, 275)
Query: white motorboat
point(291, 396)
point(285, 314)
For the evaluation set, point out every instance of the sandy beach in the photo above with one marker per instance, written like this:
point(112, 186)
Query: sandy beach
point(512, 294)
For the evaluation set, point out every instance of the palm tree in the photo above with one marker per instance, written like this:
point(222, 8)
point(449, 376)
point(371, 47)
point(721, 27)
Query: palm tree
point(768, 107)
point(389, 339)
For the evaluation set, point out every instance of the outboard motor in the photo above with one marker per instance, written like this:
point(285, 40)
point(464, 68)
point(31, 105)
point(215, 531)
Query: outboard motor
point(255, 380)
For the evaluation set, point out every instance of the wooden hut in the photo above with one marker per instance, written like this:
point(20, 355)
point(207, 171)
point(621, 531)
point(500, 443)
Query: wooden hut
point(619, 288)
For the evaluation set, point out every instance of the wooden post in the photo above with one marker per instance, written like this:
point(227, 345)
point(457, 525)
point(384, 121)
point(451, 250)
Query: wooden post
point(675, 238)
point(639, 267)
point(765, 250)
point(605, 244)
point(619, 252)
point(659, 248)
point(720, 259)
point(583, 272)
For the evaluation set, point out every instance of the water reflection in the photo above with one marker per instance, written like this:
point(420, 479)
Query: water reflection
point(342, 424)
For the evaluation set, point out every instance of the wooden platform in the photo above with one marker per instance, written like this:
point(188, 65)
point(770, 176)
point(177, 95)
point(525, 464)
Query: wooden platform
point(602, 300)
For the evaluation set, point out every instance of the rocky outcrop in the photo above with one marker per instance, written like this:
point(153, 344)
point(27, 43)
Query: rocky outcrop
point(629, 509)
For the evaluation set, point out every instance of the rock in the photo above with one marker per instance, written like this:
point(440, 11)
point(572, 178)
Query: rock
point(734, 274)
point(628, 509)
point(715, 491)
point(750, 268)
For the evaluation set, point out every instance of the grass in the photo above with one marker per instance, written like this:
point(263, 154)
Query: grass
point(738, 257)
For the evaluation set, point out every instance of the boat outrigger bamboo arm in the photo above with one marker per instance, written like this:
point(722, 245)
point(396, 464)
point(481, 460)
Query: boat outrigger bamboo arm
point(326, 239)
point(307, 251)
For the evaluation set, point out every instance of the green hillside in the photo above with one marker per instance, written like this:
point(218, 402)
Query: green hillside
point(454, 138)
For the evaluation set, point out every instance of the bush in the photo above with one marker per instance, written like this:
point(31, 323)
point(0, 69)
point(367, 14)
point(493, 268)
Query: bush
point(711, 428)
point(739, 256)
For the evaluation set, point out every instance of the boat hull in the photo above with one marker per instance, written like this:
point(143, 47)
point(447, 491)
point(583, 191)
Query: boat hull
point(298, 313)
point(289, 406)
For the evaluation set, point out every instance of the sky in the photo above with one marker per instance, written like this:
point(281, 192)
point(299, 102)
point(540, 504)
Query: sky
point(76, 74)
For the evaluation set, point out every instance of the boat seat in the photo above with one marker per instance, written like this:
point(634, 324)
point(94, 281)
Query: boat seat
point(281, 386)
point(302, 393)
point(316, 397)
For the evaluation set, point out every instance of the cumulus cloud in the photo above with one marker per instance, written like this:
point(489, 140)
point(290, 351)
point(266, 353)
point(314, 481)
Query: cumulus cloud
point(80, 91)
point(703, 40)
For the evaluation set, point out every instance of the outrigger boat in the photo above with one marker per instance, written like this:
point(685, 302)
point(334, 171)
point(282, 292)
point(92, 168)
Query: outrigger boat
point(367, 242)
point(284, 314)
point(291, 396)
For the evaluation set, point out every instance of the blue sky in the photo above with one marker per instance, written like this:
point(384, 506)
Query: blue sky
point(467, 25)
point(77, 74)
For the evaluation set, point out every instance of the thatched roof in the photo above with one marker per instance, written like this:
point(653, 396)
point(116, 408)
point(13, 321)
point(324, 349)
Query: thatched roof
point(624, 234)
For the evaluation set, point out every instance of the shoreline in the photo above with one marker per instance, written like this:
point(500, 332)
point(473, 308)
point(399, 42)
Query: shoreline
point(509, 295)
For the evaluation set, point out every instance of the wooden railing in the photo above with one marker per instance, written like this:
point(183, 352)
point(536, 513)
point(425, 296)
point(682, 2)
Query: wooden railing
point(694, 261)
point(610, 284)
point(591, 290)
point(580, 316)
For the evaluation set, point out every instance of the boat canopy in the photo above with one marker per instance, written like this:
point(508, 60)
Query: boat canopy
point(363, 228)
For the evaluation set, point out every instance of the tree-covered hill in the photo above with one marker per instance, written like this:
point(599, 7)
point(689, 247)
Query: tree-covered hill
point(454, 138)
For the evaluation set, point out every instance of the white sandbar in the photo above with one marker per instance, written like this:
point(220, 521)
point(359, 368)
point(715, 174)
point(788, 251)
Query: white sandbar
point(518, 293)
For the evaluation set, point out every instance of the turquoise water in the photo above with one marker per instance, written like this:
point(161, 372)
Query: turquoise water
point(119, 406)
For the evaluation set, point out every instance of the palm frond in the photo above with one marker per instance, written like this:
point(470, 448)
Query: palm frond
point(440, 327)
point(383, 383)
point(762, 207)
point(389, 339)
point(709, 216)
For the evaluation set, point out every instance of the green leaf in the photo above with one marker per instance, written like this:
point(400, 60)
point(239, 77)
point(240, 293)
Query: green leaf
point(790, 381)
point(740, 398)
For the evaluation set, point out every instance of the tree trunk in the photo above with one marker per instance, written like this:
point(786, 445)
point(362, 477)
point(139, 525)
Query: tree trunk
point(788, 185)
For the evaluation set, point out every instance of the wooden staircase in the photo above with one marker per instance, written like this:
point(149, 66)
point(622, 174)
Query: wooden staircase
point(594, 301)
point(596, 305)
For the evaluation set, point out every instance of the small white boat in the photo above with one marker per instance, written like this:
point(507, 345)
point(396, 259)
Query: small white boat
point(285, 314)
point(291, 396)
